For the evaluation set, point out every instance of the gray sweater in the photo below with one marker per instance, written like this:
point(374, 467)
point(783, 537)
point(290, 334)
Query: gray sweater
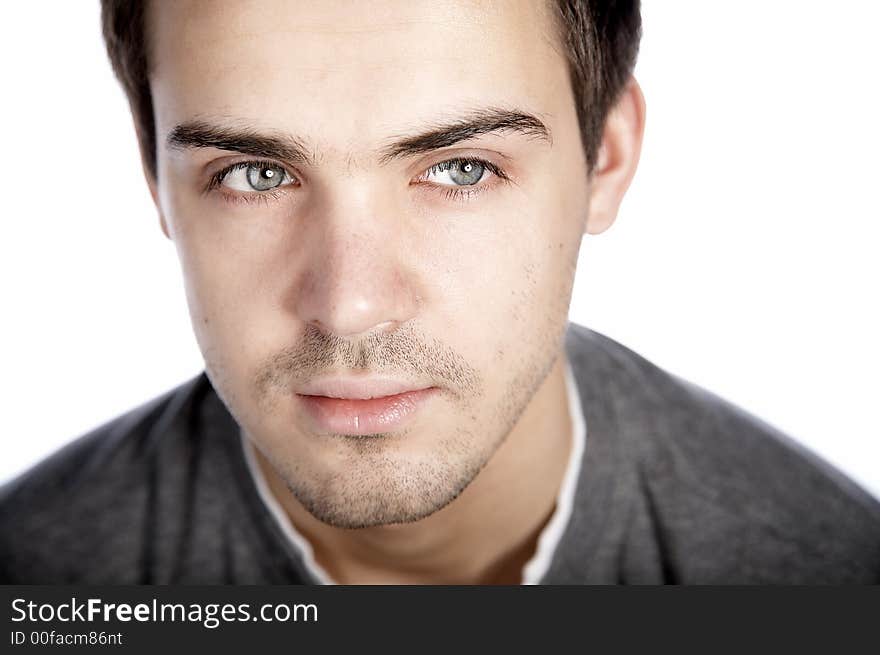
point(676, 486)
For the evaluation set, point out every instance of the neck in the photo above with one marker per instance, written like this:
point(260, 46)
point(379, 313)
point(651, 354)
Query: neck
point(484, 536)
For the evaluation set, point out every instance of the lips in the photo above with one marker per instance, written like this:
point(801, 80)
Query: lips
point(358, 388)
point(362, 406)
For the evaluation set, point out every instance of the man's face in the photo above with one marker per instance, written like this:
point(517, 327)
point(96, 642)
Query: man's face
point(364, 253)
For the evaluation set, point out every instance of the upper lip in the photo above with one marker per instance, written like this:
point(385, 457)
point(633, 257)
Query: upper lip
point(358, 388)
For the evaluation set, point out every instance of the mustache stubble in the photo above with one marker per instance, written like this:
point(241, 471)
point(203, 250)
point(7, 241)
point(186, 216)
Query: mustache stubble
point(400, 352)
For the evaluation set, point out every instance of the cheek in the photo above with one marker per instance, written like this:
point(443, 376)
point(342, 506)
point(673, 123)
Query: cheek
point(513, 309)
point(535, 276)
point(223, 286)
point(540, 284)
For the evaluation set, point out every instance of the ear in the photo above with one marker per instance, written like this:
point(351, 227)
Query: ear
point(617, 159)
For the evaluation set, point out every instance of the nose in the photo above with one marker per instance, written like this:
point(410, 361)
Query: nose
point(357, 274)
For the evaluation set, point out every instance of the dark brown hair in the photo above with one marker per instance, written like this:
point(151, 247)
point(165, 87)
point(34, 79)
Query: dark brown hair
point(600, 38)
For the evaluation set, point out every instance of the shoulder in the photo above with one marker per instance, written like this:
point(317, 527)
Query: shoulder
point(83, 503)
point(727, 486)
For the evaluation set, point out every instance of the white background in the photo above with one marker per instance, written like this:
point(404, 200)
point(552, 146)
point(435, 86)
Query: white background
point(744, 257)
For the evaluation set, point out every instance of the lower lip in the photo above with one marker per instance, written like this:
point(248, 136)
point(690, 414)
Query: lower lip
point(361, 417)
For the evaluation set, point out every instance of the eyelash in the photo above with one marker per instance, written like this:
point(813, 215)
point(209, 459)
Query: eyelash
point(461, 193)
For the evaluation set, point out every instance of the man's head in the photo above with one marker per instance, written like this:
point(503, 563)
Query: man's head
point(382, 190)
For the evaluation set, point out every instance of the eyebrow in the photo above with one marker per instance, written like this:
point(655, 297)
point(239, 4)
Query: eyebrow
point(275, 145)
point(248, 141)
point(475, 123)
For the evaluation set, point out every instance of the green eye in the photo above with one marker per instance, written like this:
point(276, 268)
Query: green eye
point(263, 178)
point(461, 172)
point(248, 177)
point(466, 173)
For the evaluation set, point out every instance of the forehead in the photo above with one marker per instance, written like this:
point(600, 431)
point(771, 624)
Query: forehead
point(353, 72)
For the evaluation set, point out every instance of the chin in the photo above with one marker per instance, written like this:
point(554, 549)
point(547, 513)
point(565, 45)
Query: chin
point(384, 490)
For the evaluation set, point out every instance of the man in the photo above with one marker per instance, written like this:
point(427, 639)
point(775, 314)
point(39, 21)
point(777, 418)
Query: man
point(378, 209)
